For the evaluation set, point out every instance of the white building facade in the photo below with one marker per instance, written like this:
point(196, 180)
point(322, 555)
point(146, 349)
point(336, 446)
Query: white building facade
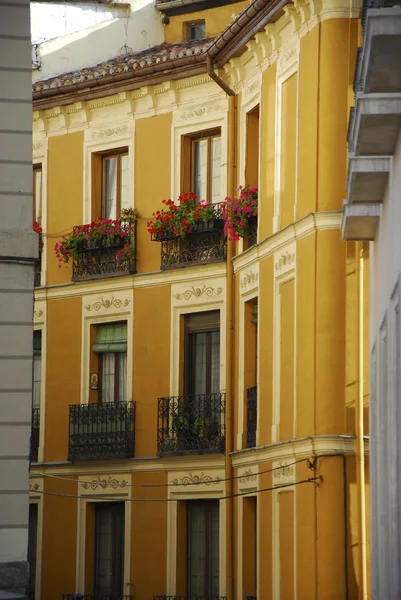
point(373, 212)
point(18, 250)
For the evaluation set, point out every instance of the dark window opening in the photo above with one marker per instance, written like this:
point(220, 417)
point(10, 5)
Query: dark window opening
point(109, 549)
point(196, 30)
point(203, 548)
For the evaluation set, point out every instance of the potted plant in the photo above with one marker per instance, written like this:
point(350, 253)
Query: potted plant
point(239, 211)
point(37, 229)
point(189, 215)
point(102, 233)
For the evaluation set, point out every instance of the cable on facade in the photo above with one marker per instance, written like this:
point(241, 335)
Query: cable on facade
point(314, 480)
point(190, 483)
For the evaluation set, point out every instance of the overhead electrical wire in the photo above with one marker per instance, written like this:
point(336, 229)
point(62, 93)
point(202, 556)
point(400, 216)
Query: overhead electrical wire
point(190, 483)
point(247, 493)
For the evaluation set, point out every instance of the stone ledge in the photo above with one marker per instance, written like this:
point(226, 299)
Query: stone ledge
point(359, 221)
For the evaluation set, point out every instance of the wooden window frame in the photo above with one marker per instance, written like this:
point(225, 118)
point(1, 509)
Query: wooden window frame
point(116, 377)
point(98, 172)
point(188, 25)
point(36, 168)
point(188, 160)
point(116, 507)
point(189, 332)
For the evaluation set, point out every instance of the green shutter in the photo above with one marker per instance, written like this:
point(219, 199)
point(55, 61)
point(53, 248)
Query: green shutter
point(111, 338)
point(37, 343)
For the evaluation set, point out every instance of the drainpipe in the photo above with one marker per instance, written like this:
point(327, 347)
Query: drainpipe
point(230, 567)
point(217, 79)
point(360, 450)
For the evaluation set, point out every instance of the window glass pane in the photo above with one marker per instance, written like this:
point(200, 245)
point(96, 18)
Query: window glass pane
point(122, 377)
point(197, 31)
point(203, 548)
point(37, 367)
point(216, 169)
point(37, 174)
point(108, 367)
point(124, 182)
point(32, 542)
point(109, 549)
point(110, 188)
point(199, 363)
point(215, 362)
point(200, 169)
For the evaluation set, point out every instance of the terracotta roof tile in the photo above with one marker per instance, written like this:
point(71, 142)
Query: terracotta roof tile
point(163, 53)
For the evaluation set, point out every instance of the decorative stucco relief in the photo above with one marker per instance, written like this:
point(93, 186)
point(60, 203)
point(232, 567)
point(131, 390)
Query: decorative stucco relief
point(286, 259)
point(284, 473)
point(250, 279)
point(199, 292)
point(193, 479)
point(109, 132)
point(248, 476)
point(111, 482)
point(107, 303)
point(200, 111)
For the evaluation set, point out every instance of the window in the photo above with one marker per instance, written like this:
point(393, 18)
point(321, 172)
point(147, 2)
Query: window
point(32, 546)
point(202, 165)
point(111, 349)
point(109, 550)
point(252, 148)
point(202, 353)
point(196, 30)
point(37, 193)
point(37, 367)
point(203, 548)
point(111, 183)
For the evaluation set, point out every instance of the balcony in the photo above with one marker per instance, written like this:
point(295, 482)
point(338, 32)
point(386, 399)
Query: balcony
point(101, 431)
point(205, 244)
point(35, 434)
point(251, 416)
point(252, 231)
point(251, 598)
point(191, 424)
point(97, 260)
point(168, 597)
point(96, 597)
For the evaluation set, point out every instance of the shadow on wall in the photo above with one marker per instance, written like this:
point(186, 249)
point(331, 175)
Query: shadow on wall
point(100, 43)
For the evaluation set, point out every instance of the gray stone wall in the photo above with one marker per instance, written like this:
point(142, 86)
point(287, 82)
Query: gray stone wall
point(18, 249)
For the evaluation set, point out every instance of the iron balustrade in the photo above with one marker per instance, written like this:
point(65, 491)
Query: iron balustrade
point(191, 424)
point(99, 259)
point(252, 231)
point(169, 597)
point(37, 277)
point(251, 411)
point(35, 428)
point(206, 243)
point(96, 597)
point(251, 598)
point(101, 431)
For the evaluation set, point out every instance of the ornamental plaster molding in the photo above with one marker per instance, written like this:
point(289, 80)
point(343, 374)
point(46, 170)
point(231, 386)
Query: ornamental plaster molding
point(199, 292)
point(193, 479)
point(109, 132)
point(248, 476)
point(200, 112)
point(284, 473)
point(286, 259)
point(38, 313)
point(107, 303)
point(104, 483)
point(250, 278)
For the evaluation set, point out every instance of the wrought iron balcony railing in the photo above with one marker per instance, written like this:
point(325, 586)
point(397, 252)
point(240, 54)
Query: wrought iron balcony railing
point(205, 244)
point(168, 597)
point(100, 431)
point(252, 231)
point(37, 272)
point(191, 424)
point(251, 598)
point(35, 433)
point(251, 412)
point(100, 259)
point(96, 597)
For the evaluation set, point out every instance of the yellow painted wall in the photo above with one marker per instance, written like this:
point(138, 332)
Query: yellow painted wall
point(64, 197)
point(151, 187)
point(286, 521)
point(216, 19)
point(265, 324)
point(288, 150)
point(63, 373)
point(265, 530)
point(151, 363)
point(287, 360)
point(267, 152)
point(305, 528)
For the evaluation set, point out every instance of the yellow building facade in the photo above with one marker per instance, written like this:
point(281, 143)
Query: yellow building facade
point(262, 336)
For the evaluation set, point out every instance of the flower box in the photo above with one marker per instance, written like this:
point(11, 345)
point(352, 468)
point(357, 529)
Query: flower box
point(206, 226)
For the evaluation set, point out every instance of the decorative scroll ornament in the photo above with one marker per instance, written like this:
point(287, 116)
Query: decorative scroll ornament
point(38, 313)
point(104, 483)
point(37, 146)
point(249, 279)
point(285, 259)
point(248, 476)
point(106, 303)
point(201, 479)
point(198, 292)
point(252, 88)
point(199, 112)
point(99, 135)
point(283, 471)
point(33, 487)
